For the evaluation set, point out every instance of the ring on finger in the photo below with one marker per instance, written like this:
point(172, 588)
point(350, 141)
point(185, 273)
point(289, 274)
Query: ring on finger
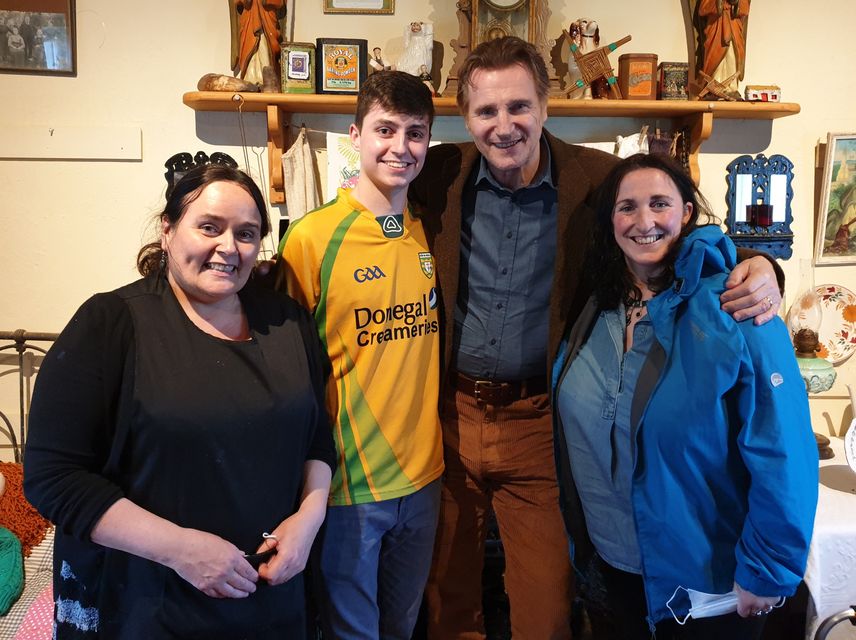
point(758, 613)
point(769, 300)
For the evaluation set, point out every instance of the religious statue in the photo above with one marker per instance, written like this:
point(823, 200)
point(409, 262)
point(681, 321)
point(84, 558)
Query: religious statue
point(256, 37)
point(721, 27)
point(418, 47)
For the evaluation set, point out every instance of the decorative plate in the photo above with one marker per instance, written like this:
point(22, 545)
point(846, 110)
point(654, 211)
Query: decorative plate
point(850, 445)
point(838, 327)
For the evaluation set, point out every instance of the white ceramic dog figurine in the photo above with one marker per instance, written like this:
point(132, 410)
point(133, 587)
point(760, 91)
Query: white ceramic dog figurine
point(586, 35)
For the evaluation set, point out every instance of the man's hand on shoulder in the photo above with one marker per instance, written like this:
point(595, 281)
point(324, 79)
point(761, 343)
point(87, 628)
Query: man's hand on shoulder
point(752, 291)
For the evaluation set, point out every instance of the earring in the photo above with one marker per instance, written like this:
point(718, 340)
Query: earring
point(163, 260)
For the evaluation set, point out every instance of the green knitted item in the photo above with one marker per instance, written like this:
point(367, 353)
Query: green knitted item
point(11, 570)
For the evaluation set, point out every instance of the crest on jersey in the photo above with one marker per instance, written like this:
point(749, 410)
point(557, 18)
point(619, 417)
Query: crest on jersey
point(426, 261)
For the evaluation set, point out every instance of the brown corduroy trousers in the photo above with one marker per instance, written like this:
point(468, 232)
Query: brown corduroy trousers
point(500, 456)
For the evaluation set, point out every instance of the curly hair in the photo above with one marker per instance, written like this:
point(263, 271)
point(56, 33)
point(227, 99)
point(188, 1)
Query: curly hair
point(605, 266)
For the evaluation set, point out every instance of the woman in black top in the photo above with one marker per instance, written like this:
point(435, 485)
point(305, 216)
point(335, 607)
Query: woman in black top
point(177, 421)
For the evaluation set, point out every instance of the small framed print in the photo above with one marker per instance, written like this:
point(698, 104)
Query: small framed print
point(341, 65)
point(359, 6)
point(298, 67)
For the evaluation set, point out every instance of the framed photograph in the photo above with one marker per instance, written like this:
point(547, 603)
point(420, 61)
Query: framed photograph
point(38, 36)
point(340, 65)
point(359, 6)
point(835, 239)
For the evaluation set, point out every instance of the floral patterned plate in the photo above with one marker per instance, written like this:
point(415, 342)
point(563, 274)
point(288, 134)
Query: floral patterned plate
point(850, 445)
point(838, 327)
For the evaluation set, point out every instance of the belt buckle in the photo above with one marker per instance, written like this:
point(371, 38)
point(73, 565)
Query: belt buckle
point(487, 385)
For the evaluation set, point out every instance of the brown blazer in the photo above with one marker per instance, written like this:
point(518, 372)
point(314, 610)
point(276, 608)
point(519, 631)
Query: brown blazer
point(435, 197)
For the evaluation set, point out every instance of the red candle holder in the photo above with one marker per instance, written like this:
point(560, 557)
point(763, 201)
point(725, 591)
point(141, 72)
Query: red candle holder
point(759, 215)
point(763, 215)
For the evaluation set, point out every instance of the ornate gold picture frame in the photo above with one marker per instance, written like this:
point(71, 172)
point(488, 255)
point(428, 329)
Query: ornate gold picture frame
point(359, 6)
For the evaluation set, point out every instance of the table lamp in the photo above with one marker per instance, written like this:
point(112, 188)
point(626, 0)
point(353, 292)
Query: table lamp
point(804, 318)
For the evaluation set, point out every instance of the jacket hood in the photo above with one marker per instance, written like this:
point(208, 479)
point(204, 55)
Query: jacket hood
point(706, 253)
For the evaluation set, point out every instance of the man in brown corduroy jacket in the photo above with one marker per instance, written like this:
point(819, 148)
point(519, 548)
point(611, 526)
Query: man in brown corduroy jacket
point(508, 219)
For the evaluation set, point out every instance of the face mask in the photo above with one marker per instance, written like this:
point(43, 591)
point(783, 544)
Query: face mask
point(704, 605)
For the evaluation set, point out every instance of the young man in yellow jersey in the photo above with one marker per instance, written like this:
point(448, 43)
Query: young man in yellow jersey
point(361, 264)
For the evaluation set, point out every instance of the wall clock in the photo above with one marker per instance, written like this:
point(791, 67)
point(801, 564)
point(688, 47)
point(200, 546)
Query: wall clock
point(497, 18)
point(482, 20)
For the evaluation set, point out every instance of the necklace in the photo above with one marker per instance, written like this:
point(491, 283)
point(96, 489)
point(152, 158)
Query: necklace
point(633, 309)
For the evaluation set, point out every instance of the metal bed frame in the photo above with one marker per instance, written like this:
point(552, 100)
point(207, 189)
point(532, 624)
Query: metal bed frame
point(26, 367)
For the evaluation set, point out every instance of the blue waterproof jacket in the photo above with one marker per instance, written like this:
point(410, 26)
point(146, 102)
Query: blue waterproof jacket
point(725, 463)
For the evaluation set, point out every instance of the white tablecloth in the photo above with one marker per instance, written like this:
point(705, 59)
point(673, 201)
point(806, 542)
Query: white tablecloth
point(831, 571)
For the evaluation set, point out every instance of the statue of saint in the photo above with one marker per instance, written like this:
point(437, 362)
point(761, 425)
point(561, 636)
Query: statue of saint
point(721, 26)
point(255, 37)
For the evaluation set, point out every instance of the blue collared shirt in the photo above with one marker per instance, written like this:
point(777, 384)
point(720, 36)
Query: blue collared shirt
point(594, 403)
point(508, 250)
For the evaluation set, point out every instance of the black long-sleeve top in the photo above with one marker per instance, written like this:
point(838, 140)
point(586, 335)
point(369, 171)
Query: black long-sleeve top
point(136, 401)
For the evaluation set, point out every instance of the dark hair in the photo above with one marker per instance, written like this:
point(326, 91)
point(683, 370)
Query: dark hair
point(186, 190)
point(396, 92)
point(501, 53)
point(606, 268)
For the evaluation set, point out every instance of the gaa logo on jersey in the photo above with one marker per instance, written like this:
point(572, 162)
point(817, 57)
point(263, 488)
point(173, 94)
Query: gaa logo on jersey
point(369, 273)
point(426, 261)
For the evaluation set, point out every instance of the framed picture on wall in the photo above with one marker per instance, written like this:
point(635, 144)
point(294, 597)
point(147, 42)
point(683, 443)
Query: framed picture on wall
point(359, 6)
point(340, 65)
point(38, 36)
point(835, 239)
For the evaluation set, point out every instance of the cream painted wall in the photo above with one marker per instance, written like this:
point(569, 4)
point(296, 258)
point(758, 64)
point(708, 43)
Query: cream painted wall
point(72, 228)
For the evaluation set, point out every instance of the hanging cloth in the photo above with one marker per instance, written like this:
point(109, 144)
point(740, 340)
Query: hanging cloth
point(626, 146)
point(301, 187)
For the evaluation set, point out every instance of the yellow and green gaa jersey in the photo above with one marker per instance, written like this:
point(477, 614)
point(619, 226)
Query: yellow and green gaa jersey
point(370, 284)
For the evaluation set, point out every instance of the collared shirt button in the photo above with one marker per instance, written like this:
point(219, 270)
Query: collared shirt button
point(508, 235)
point(504, 270)
point(493, 341)
point(499, 305)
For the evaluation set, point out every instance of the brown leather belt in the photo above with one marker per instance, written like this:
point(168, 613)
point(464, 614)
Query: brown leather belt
point(499, 393)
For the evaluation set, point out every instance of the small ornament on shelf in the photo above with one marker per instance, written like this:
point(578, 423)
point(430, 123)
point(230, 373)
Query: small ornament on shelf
point(298, 67)
point(377, 62)
point(672, 80)
point(711, 89)
point(762, 93)
point(637, 76)
point(595, 65)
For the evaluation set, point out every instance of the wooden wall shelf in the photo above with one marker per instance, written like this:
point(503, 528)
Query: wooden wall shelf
point(697, 115)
